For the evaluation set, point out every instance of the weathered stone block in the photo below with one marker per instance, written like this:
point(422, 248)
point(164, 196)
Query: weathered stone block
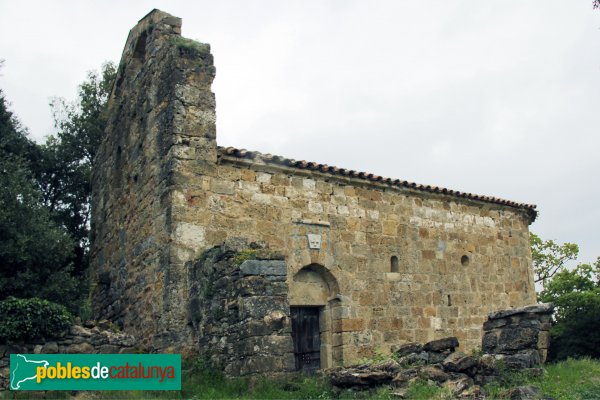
point(407, 348)
point(263, 267)
point(436, 374)
point(259, 306)
point(458, 362)
point(349, 325)
point(517, 339)
point(542, 308)
point(414, 358)
point(524, 359)
point(492, 324)
point(543, 340)
point(449, 343)
point(489, 342)
point(528, 392)
point(50, 348)
point(80, 348)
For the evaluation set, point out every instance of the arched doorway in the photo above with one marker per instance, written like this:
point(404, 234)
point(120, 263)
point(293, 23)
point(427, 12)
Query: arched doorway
point(313, 297)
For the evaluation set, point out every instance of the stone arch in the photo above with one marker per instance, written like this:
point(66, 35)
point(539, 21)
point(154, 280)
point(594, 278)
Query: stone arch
point(315, 286)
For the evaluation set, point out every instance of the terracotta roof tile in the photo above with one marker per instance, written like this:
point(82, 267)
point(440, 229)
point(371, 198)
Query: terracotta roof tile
point(302, 164)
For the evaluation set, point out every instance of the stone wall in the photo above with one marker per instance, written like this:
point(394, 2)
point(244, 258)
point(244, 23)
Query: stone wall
point(520, 337)
point(457, 260)
point(92, 339)
point(160, 111)
point(386, 263)
point(515, 339)
point(240, 311)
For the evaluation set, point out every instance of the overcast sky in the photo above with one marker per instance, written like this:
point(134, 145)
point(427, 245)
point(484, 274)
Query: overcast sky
point(492, 97)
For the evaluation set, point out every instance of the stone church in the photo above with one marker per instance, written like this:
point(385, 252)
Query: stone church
point(268, 264)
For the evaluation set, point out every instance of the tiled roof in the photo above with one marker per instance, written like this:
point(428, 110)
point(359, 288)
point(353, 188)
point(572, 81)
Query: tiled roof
point(313, 166)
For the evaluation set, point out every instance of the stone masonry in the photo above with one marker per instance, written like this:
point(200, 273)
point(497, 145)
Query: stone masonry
point(520, 337)
point(93, 338)
point(384, 261)
point(240, 311)
point(515, 339)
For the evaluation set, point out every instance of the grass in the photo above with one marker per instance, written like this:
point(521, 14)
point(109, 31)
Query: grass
point(191, 47)
point(568, 380)
point(573, 379)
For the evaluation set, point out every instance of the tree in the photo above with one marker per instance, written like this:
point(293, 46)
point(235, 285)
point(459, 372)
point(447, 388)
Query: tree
point(45, 196)
point(35, 254)
point(576, 295)
point(64, 173)
point(550, 257)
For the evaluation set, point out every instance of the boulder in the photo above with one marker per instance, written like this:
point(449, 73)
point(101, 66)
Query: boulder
point(121, 339)
point(527, 392)
point(433, 373)
point(108, 349)
point(449, 343)
point(356, 377)
point(458, 362)
point(391, 366)
point(77, 330)
point(487, 364)
point(80, 348)
point(407, 348)
point(403, 377)
point(50, 348)
point(414, 359)
point(474, 392)
point(524, 359)
point(434, 357)
point(457, 386)
point(485, 379)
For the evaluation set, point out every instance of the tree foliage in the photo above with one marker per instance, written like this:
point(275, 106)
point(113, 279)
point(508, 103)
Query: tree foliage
point(45, 196)
point(35, 253)
point(576, 295)
point(67, 157)
point(550, 257)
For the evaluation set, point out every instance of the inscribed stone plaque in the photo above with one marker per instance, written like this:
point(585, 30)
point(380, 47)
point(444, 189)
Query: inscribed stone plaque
point(314, 241)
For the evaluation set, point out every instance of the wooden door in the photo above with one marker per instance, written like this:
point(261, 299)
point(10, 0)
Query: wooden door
point(307, 338)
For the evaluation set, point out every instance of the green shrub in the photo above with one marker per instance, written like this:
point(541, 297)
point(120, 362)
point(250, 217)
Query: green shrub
point(32, 318)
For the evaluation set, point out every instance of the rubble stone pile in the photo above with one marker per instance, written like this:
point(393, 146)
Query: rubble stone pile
point(514, 340)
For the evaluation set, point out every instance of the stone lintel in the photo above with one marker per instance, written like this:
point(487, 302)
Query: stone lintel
point(264, 267)
point(542, 308)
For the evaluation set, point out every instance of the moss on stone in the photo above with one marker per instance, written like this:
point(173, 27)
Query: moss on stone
point(243, 256)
